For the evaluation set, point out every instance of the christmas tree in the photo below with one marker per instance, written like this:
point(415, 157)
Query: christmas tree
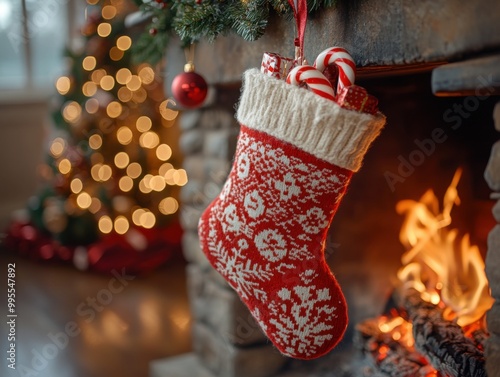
point(111, 169)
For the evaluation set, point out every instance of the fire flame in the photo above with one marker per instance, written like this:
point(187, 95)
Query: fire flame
point(445, 269)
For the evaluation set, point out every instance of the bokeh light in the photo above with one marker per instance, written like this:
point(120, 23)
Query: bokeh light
point(134, 170)
point(168, 206)
point(89, 89)
point(57, 147)
point(64, 166)
point(89, 63)
point(147, 75)
point(104, 29)
point(83, 200)
point(95, 141)
point(108, 12)
point(124, 94)
point(123, 75)
point(126, 183)
point(163, 152)
point(149, 140)
point(95, 206)
point(180, 177)
point(76, 185)
point(114, 109)
point(72, 112)
point(164, 168)
point(121, 160)
point(166, 112)
point(105, 224)
point(63, 85)
point(143, 123)
point(92, 106)
point(140, 95)
point(136, 216)
point(121, 225)
point(134, 83)
point(105, 172)
point(147, 219)
point(124, 42)
point(107, 82)
point(115, 53)
point(157, 183)
point(97, 75)
point(124, 135)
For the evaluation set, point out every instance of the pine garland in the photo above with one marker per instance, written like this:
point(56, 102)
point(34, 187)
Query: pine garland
point(193, 20)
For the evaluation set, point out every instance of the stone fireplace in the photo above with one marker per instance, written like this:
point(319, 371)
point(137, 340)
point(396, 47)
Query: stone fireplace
point(435, 69)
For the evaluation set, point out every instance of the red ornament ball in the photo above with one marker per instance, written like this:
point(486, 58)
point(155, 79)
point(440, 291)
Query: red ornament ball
point(189, 89)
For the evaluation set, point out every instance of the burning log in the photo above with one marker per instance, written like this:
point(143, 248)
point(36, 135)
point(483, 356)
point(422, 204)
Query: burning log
point(443, 342)
point(391, 356)
point(479, 337)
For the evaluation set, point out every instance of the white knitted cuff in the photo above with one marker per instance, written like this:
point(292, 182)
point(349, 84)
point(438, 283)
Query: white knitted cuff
point(304, 119)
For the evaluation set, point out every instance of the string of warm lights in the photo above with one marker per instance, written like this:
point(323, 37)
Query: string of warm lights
point(128, 178)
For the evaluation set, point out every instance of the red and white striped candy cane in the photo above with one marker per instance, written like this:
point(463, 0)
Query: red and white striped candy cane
point(343, 60)
point(314, 79)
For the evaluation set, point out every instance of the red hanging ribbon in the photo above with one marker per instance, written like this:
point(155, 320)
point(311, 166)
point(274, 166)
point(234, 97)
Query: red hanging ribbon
point(300, 13)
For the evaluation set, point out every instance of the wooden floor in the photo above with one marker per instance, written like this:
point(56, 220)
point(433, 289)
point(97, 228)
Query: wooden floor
point(76, 324)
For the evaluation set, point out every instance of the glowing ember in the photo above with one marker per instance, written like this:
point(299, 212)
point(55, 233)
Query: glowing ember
point(446, 269)
point(399, 329)
point(389, 343)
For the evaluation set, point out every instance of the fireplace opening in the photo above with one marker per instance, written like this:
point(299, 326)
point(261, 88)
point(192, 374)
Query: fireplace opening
point(438, 323)
point(425, 141)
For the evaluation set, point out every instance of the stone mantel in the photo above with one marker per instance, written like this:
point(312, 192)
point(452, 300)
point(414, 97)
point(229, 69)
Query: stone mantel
point(382, 36)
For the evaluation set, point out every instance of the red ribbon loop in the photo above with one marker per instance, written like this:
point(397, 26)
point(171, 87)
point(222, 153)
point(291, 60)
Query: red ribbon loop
point(300, 13)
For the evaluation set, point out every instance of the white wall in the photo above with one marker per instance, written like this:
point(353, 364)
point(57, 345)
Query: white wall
point(23, 125)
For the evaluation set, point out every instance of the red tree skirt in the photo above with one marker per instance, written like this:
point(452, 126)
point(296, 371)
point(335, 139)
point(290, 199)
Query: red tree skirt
point(139, 250)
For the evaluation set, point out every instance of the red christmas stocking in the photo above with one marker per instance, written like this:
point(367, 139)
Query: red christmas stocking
point(266, 231)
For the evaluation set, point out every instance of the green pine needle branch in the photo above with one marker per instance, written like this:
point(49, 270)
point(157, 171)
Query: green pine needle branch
point(194, 20)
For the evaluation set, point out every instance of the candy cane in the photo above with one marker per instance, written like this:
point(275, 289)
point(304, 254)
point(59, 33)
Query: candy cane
point(314, 79)
point(343, 60)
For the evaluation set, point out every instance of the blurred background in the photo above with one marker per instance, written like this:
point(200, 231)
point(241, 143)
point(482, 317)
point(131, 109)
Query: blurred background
point(90, 178)
point(28, 69)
